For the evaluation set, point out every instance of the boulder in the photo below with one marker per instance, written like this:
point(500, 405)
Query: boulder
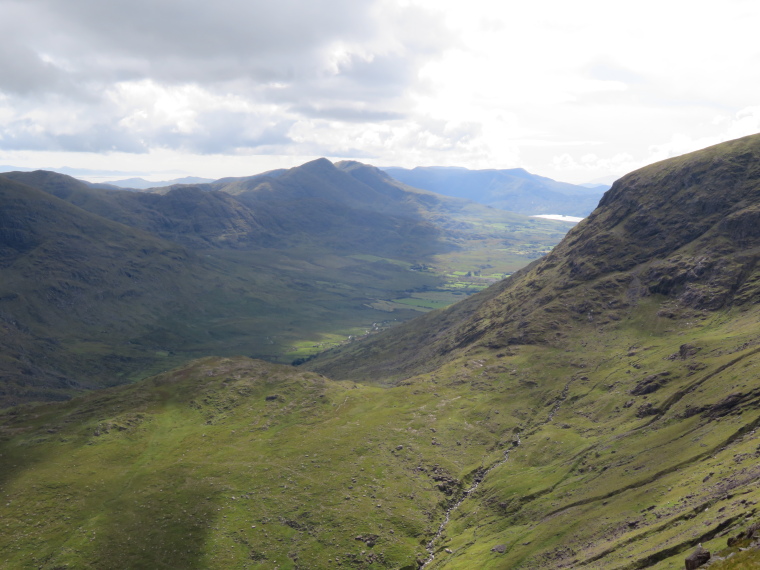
point(697, 558)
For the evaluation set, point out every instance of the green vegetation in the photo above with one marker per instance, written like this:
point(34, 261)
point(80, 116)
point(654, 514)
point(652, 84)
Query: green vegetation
point(105, 287)
point(599, 408)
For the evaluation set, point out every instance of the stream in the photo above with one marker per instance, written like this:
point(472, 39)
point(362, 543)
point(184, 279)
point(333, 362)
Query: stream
point(479, 477)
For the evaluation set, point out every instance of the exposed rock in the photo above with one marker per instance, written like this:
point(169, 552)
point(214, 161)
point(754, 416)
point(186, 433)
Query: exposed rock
point(650, 384)
point(500, 548)
point(752, 532)
point(646, 410)
point(693, 410)
point(725, 405)
point(697, 558)
point(685, 351)
point(368, 539)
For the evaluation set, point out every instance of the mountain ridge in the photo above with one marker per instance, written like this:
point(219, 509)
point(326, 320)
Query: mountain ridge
point(514, 189)
point(322, 255)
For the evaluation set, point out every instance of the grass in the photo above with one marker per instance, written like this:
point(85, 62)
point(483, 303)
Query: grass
point(236, 463)
point(201, 455)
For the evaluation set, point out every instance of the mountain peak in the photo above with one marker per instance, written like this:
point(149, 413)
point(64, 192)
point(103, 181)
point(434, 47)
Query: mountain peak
point(318, 165)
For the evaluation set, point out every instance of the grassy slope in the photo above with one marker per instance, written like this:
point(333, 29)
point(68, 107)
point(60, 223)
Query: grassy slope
point(197, 468)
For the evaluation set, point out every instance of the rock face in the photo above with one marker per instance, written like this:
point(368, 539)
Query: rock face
point(697, 558)
point(745, 536)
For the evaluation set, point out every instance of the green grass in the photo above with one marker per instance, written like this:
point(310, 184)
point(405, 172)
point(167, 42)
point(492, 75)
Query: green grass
point(198, 469)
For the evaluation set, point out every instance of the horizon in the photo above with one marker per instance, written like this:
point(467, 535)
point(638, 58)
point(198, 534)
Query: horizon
point(105, 177)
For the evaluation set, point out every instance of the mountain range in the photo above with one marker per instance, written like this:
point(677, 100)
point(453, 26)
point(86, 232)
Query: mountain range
point(142, 184)
point(512, 189)
point(597, 409)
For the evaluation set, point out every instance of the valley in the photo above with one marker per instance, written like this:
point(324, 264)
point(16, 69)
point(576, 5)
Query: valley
point(593, 404)
point(105, 286)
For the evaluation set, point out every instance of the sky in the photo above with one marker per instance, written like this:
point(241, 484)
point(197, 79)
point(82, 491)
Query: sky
point(576, 91)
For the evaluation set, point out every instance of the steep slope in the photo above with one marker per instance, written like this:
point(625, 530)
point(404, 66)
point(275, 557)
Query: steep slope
point(683, 231)
point(69, 276)
point(638, 336)
point(514, 189)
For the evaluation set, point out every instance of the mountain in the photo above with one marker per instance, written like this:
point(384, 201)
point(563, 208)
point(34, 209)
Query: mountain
point(68, 277)
point(597, 409)
point(142, 184)
point(102, 286)
point(682, 229)
point(513, 189)
point(597, 186)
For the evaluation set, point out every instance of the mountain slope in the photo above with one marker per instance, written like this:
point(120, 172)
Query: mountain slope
point(684, 230)
point(125, 284)
point(514, 189)
point(638, 335)
point(68, 276)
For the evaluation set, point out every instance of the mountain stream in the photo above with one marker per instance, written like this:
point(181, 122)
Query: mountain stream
point(479, 477)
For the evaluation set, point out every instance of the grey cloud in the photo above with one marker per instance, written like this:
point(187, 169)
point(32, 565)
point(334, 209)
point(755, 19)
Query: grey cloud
point(24, 72)
point(23, 135)
point(188, 41)
point(348, 114)
point(266, 52)
point(222, 132)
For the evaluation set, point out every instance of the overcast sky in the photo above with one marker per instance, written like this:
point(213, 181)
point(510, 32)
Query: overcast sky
point(571, 90)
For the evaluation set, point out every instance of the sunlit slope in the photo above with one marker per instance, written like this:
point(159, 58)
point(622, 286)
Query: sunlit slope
point(641, 331)
point(625, 449)
point(235, 463)
point(685, 232)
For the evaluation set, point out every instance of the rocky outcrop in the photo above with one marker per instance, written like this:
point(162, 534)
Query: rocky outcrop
point(697, 558)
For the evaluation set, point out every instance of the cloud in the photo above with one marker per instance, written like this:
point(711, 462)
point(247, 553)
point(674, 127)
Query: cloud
point(169, 72)
point(561, 89)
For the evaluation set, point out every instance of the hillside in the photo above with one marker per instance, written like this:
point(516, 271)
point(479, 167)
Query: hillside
point(104, 286)
point(597, 410)
point(513, 189)
point(682, 232)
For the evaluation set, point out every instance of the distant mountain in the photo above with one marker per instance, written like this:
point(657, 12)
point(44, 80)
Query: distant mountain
point(597, 186)
point(515, 190)
point(142, 184)
point(7, 168)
